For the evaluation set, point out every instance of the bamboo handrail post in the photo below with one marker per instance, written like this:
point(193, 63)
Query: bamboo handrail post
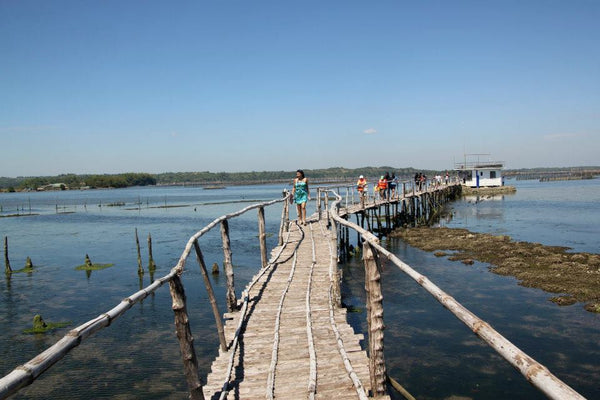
point(336, 289)
point(262, 237)
point(228, 266)
point(347, 196)
point(287, 213)
point(283, 222)
point(318, 202)
point(211, 296)
point(186, 340)
point(374, 320)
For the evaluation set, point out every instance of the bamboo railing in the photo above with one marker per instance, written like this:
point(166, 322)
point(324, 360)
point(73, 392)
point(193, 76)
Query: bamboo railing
point(27, 373)
point(537, 374)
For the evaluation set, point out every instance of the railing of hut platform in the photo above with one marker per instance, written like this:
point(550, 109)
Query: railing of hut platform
point(27, 373)
point(537, 374)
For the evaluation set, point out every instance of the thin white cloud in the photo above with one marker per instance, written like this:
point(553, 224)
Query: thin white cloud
point(560, 136)
point(370, 131)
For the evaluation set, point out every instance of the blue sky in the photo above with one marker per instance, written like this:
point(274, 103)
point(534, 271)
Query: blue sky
point(162, 86)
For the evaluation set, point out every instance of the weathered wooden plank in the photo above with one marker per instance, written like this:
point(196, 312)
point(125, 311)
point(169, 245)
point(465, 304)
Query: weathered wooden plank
point(292, 369)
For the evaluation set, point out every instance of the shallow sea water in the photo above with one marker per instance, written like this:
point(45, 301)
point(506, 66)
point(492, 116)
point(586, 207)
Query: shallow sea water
point(427, 349)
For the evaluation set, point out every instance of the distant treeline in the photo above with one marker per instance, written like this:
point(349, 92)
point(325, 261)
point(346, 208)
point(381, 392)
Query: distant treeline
point(336, 173)
point(73, 181)
point(552, 173)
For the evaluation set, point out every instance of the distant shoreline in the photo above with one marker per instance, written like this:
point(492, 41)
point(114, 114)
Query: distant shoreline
point(316, 176)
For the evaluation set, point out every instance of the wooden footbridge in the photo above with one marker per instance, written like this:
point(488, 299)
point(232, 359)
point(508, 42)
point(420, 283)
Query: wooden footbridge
point(287, 336)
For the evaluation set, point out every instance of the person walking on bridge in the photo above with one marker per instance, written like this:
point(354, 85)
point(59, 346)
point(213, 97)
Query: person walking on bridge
point(301, 194)
point(361, 186)
point(382, 186)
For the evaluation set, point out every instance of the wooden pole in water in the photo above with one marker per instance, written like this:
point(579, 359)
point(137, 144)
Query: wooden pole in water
point(262, 237)
point(7, 268)
point(151, 263)
point(211, 296)
point(228, 266)
point(186, 340)
point(139, 254)
point(374, 319)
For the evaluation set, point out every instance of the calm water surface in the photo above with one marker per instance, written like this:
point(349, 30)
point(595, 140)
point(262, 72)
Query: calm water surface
point(427, 349)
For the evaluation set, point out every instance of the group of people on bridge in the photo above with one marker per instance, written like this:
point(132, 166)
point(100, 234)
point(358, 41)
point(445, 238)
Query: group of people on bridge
point(386, 188)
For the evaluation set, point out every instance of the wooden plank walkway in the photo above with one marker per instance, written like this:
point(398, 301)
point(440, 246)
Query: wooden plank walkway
point(289, 348)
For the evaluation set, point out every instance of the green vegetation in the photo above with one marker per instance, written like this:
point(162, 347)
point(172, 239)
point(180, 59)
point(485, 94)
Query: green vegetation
point(27, 269)
point(337, 174)
point(72, 181)
point(93, 267)
point(40, 326)
point(89, 266)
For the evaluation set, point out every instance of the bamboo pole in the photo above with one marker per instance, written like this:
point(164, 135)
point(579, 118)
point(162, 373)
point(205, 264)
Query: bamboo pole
point(211, 296)
point(400, 389)
point(374, 320)
point(186, 340)
point(336, 292)
point(283, 222)
point(139, 254)
point(7, 268)
point(228, 266)
point(318, 199)
point(262, 237)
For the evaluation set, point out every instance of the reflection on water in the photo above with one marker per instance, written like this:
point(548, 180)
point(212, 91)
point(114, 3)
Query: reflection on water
point(427, 349)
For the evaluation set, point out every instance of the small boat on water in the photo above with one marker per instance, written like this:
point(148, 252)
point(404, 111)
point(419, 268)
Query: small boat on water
point(212, 187)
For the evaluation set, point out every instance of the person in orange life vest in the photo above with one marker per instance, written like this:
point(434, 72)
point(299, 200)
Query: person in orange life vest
point(361, 186)
point(382, 186)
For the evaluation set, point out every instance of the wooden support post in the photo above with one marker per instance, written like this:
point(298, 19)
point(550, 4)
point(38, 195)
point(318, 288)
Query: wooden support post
point(7, 268)
point(347, 235)
point(211, 296)
point(357, 233)
point(228, 267)
point(186, 340)
point(283, 223)
point(287, 215)
point(388, 223)
point(374, 319)
point(319, 203)
point(336, 292)
point(262, 237)
point(139, 255)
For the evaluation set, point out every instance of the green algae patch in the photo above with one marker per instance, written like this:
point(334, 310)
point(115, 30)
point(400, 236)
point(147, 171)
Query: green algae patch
point(41, 326)
point(89, 266)
point(574, 276)
point(93, 267)
point(28, 268)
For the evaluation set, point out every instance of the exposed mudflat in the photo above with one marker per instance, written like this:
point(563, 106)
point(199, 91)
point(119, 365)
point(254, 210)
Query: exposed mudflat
point(574, 276)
